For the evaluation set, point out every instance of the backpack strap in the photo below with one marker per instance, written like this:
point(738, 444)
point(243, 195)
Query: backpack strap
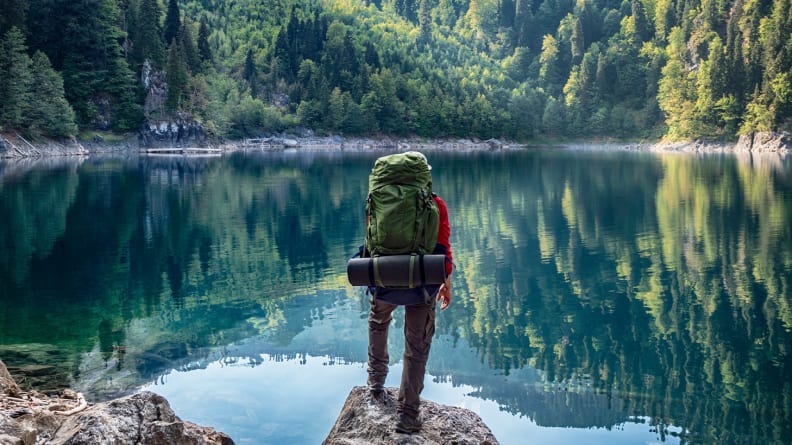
point(377, 277)
point(371, 271)
point(411, 277)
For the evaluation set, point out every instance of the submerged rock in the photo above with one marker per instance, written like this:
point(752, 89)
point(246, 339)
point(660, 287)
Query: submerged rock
point(32, 418)
point(365, 420)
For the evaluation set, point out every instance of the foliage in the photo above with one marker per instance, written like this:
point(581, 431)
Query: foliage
point(698, 68)
point(25, 82)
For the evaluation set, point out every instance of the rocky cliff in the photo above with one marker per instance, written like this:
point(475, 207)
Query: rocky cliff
point(29, 418)
point(365, 420)
point(765, 141)
point(178, 131)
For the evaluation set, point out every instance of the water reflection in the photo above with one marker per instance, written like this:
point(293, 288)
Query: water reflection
point(618, 291)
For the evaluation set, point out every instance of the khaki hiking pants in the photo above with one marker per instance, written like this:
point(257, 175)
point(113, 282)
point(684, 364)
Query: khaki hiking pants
point(419, 327)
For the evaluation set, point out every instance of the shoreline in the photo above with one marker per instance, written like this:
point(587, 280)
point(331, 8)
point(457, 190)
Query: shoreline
point(16, 147)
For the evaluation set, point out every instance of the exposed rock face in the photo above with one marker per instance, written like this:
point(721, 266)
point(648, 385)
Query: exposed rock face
point(180, 131)
point(365, 420)
point(765, 141)
point(26, 419)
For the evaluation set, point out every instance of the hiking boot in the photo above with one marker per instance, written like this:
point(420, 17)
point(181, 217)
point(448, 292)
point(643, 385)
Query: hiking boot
point(408, 424)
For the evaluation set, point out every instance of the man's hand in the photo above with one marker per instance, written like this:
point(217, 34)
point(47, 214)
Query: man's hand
point(444, 294)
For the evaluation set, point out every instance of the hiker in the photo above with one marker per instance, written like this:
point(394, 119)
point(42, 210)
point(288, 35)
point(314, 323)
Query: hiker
point(419, 321)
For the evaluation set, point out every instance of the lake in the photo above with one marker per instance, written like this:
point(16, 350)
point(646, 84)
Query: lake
point(600, 296)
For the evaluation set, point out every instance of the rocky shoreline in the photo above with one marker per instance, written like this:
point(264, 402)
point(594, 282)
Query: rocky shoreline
point(32, 418)
point(184, 137)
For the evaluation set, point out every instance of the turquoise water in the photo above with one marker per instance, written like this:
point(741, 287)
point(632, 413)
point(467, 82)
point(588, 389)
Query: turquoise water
point(600, 296)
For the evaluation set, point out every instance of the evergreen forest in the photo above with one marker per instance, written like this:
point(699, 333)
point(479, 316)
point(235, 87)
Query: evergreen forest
point(514, 69)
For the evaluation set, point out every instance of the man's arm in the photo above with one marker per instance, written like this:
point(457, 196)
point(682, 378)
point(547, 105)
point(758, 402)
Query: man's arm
point(444, 238)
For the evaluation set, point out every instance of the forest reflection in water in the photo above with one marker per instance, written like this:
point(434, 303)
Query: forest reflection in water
point(593, 288)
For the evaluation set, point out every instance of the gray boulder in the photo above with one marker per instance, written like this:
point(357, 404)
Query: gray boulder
point(764, 141)
point(365, 420)
point(8, 386)
point(143, 418)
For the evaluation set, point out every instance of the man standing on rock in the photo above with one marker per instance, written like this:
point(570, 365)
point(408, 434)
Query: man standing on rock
point(419, 317)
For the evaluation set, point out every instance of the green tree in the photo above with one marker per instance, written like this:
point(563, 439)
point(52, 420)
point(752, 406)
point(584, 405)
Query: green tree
point(676, 93)
point(525, 110)
point(172, 22)
point(554, 118)
point(524, 25)
point(425, 21)
point(52, 115)
point(16, 79)
point(642, 28)
point(94, 71)
point(665, 18)
point(250, 73)
point(382, 104)
point(148, 38)
point(339, 59)
point(550, 71)
point(177, 76)
point(336, 109)
point(204, 50)
point(14, 14)
point(188, 43)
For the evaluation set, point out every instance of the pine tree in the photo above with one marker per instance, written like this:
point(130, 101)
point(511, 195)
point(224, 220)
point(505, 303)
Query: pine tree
point(172, 22)
point(280, 61)
point(523, 23)
point(93, 67)
point(13, 14)
point(642, 29)
point(251, 73)
point(187, 42)
point(506, 10)
point(735, 69)
point(578, 45)
point(549, 72)
point(148, 40)
point(204, 51)
point(121, 87)
point(177, 77)
point(665, 18)
point(425, 21)
point(52, 115)
point(676, 95)
point(16, 79)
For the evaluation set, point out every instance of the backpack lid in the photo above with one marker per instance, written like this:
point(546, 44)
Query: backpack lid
point(401, 168)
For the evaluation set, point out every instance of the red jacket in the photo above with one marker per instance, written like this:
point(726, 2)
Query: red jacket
point(444, 234)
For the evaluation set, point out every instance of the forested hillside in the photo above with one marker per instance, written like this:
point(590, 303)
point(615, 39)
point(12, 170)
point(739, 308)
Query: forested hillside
point(514, 69)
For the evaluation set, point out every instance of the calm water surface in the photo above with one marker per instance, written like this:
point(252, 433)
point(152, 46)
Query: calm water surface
point(600, 296)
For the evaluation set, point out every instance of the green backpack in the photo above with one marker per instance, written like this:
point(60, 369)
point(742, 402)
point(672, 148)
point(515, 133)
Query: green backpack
point(402, 216)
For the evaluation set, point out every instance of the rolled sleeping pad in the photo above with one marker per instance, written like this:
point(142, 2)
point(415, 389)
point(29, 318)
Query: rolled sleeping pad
point(397, 271)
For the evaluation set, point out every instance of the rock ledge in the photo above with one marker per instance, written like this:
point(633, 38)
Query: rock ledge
point(146, 418)
point(367, 421)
